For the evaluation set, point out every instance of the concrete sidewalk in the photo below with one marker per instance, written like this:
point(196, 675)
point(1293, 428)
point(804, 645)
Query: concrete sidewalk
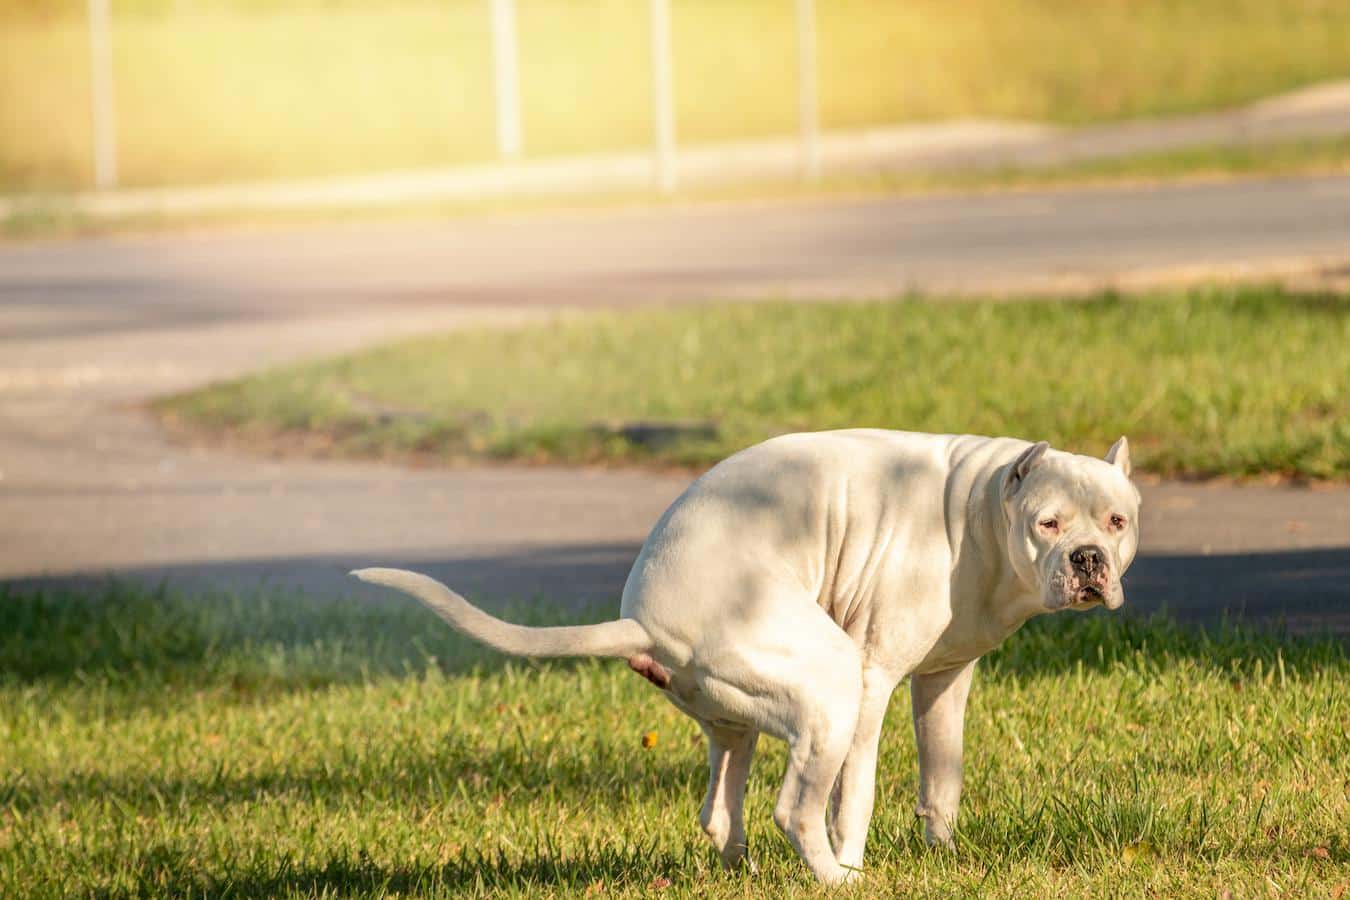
point(1318, 111)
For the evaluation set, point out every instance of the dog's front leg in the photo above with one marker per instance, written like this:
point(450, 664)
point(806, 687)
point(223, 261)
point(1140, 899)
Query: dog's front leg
point(939, 720)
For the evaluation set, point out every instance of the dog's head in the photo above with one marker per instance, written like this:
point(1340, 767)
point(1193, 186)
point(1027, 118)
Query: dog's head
point(1073, 524)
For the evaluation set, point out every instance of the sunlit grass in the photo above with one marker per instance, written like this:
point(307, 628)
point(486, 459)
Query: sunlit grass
point(1243, 381)
point(290, 746)
point(216, 93)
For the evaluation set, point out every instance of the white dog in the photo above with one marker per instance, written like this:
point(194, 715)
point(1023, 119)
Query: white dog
point(793, 586)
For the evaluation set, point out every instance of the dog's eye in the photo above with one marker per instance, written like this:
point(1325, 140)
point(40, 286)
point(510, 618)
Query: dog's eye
point(1050, 525)
point(1117, 521)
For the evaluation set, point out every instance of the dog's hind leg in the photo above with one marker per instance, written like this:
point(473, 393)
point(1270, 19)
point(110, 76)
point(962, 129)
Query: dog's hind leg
point(722, 816)
point(823, 720)
point(855, 789)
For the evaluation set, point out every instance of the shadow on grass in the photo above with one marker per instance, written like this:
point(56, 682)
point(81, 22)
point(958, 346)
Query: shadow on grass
point(161, 870)
point(126, 633)
point(408, 772)
point(1055, 645)
point(272, 639)
point(166, 871)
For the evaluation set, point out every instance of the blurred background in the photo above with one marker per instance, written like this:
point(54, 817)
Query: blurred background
point(209, 91)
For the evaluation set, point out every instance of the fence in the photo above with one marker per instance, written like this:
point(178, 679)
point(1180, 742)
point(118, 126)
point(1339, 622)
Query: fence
point(506, 77)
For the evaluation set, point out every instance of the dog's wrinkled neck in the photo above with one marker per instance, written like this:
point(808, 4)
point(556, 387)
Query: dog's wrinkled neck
point(1007, 601)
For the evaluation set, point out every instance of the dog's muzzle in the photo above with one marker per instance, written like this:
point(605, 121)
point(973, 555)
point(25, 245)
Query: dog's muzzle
point(1091, 574)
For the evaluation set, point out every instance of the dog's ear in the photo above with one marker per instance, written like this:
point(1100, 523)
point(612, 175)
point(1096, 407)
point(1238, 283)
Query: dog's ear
point(1017, 472)
point(1119, 455)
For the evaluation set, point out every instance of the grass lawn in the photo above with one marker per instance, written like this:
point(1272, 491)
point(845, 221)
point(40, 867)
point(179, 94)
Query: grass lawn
point(219, 90)
point(1241, 382)
point(276, 745)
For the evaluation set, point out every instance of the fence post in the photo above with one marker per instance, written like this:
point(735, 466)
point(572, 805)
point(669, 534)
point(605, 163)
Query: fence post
point(506, 74)
point(104, 123)
point(808, 103)
point(663, 101)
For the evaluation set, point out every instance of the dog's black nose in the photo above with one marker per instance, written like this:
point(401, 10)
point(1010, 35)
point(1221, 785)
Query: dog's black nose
point(1089, 558)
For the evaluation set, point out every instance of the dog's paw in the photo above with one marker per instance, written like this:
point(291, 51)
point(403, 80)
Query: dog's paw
point(847, 875)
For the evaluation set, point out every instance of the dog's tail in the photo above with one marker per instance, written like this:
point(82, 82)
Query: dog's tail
point(620, 638)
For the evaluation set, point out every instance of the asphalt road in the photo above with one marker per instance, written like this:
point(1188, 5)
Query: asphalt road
point(1000, 242)
point(90, 329)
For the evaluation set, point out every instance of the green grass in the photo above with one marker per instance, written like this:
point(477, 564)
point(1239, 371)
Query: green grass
point(222, 90)
point(218, 745)
point(1242, 382)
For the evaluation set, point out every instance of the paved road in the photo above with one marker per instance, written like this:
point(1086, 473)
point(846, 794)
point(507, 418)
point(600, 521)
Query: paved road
point(90, 329)
point(999, 241)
